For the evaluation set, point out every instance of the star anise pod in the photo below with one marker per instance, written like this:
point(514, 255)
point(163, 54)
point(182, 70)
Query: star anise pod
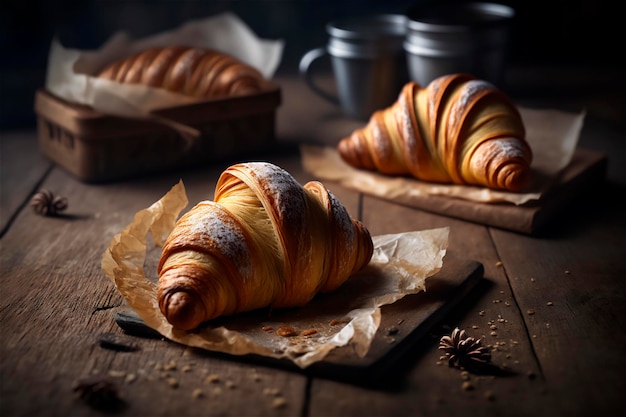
point(463, 351)
point(99, 393)
point(47, 204)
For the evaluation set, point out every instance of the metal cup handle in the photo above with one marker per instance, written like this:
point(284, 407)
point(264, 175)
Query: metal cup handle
point(306, 71)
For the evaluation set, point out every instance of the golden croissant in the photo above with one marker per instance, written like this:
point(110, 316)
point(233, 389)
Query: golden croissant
point(196, 72)
point(456, 130)
point(264, 241)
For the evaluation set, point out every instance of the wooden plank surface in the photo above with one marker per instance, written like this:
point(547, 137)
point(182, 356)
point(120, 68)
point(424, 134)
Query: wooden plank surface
point(564, 359)
point(57, 302)
point(22, 168)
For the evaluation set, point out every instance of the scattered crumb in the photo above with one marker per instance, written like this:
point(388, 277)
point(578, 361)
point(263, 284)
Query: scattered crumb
point(271, 392)
point(493, 327)
point(400, 321)
point(130, 378)
point(467, 386)
point(549, 303)
point(187, 368)
point(499, 263)
point(308, 332)
point(170, 366)
point(267, 328)
point(197, 393)
point(392, 330)
point(465, 375)
point(530, 311)
point(230, 385)
point(286, 331)
point(475, 327)
point(506, 303)
point(439, 363)
point(567, 272)
point(493, 333)
point(212, 379)
point(279, 402)
point(532, 280)
point(172, 382)
point(481, 313)
point(117, 374)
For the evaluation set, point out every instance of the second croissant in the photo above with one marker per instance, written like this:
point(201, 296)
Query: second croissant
point(456, 130)
point(265, 241)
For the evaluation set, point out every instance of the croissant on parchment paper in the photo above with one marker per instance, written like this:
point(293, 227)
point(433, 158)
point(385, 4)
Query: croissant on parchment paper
point(456, 130)
point(264, 241)
point(197, 72)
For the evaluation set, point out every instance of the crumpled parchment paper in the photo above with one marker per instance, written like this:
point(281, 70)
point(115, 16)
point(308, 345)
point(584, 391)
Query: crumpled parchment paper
point(349, 316)
point(552, 135)
point(70, 71)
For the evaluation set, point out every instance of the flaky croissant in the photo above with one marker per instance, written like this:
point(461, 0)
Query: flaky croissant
point(196, 72)
point(456, 130)
point(265, 241)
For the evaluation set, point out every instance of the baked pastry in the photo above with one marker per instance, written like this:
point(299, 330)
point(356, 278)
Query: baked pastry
point(265, 241)
point(456, 130)
point(196, 72)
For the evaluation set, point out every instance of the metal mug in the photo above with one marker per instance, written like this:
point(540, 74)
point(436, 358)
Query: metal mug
point(468, 37)
point(368, 63)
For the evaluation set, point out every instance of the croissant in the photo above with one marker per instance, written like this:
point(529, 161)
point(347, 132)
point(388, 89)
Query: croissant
point(456, 130)
point(264, 241)
point(196, 72)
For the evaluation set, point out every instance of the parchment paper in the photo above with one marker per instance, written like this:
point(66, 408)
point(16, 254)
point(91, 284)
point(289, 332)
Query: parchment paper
point(349, 316)
point(552, 135)
point(70, 71)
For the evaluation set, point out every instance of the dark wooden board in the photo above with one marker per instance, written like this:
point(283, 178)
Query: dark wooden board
point(410, 318)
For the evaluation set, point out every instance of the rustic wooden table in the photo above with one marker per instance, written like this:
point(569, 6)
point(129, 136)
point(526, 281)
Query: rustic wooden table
point(565, 359)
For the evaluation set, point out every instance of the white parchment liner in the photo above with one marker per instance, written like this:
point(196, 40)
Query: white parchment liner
point(350, 316)
point(552, 135)
point(70, 72)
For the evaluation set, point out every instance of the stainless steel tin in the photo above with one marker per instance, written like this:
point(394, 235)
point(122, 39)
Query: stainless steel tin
point(368, 61)
point(445, 39)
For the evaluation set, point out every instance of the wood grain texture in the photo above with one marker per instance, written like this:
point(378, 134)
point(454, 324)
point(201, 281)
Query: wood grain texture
point(22, 168)
point(565, 359)
point(58, 302)
point(424, 385)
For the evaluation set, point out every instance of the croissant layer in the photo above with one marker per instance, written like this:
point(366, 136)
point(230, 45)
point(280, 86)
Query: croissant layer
point(196, 72)
point(458, 130)
point(264, 241)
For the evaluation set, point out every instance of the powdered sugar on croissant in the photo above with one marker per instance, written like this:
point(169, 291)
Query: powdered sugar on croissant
point(456, 130)
point(264, 241)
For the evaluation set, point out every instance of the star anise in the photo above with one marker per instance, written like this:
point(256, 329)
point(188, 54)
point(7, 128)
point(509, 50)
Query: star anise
point(99, 393)
point(47, 204)
point(463, 351)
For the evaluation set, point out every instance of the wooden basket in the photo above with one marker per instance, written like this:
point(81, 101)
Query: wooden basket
point(97, 147)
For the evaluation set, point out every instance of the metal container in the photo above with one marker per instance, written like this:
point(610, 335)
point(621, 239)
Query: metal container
point(368, 62)
point(446, 39)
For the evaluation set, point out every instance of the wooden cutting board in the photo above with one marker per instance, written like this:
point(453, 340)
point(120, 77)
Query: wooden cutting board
point(403, 324)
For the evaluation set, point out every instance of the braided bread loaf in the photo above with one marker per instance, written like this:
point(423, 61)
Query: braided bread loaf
point(456, 130)
point(197, 72)
point(264, 241)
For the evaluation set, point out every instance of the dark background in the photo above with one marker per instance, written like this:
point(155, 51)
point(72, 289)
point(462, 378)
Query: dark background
point(564, 47)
